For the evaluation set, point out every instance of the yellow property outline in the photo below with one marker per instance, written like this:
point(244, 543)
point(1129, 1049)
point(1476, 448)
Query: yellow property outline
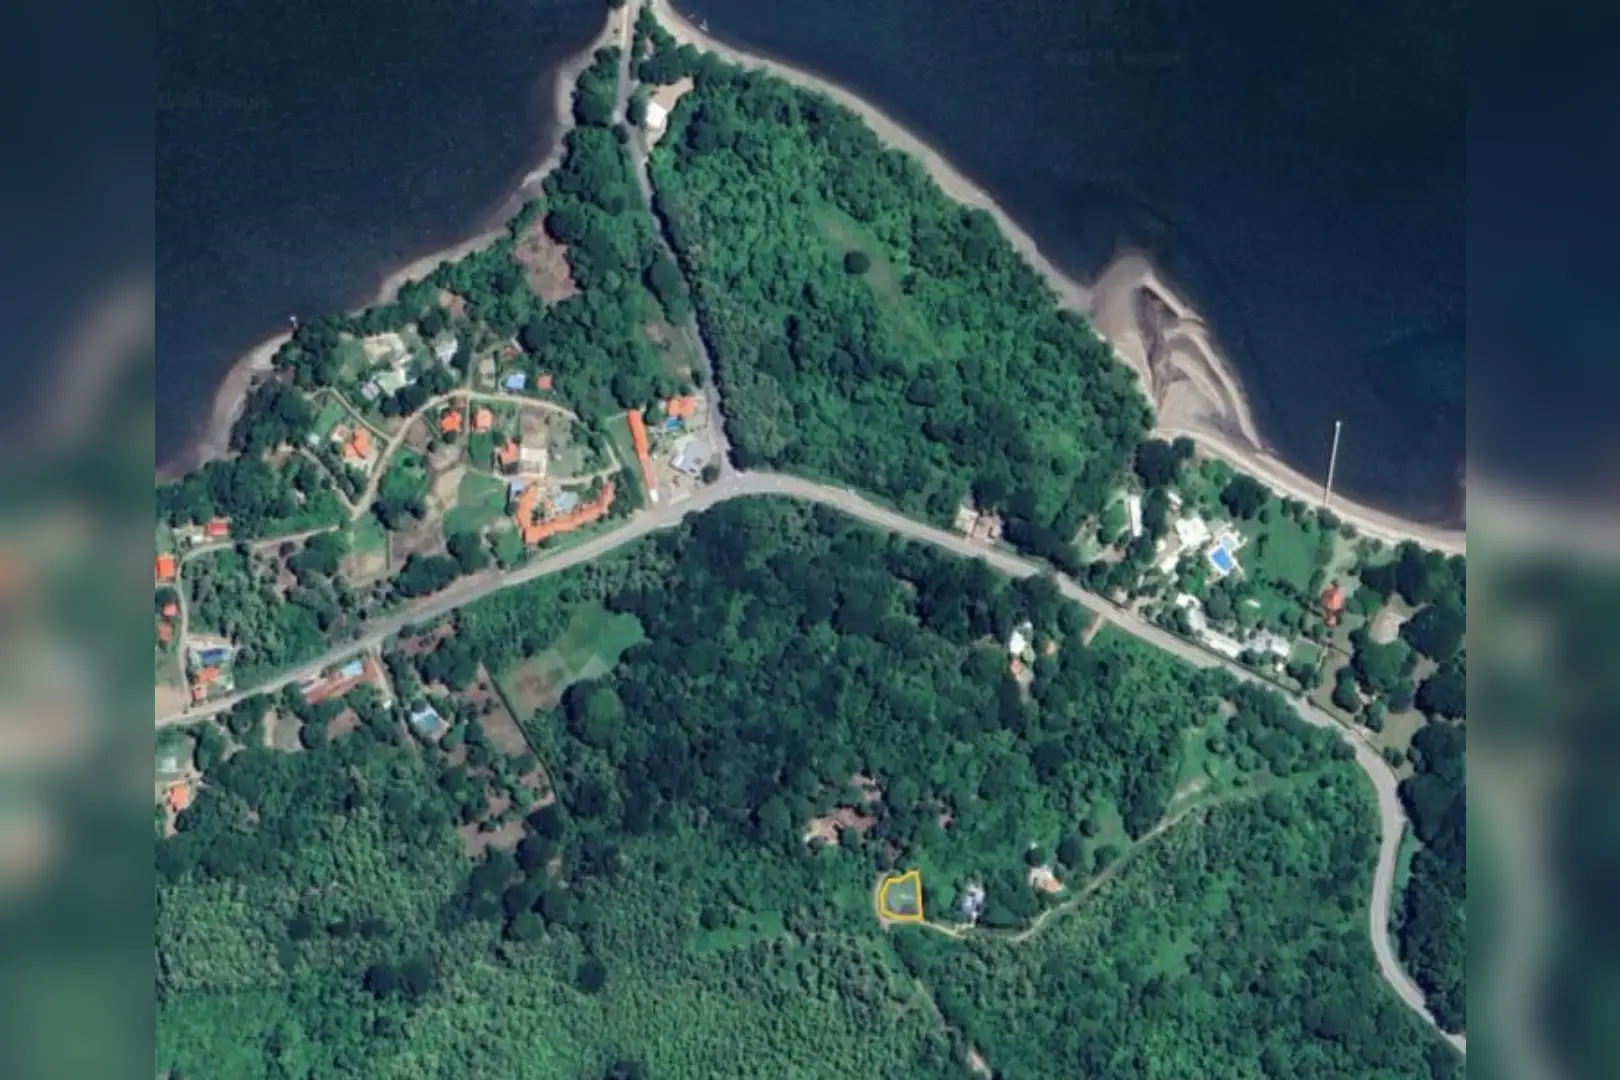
point(913, 876)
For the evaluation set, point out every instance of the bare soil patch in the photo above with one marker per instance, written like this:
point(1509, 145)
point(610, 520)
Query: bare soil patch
point(1387, 626)
point(342, 724)
point(828, 827)
point(365, 568)
point(452, 303)
point(545, 264)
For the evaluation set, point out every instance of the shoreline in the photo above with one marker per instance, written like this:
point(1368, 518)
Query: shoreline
point(1179, 366)
point(213, 441)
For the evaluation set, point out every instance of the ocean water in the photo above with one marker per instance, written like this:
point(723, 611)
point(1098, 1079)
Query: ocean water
point(1297, 169)
point(307, 148)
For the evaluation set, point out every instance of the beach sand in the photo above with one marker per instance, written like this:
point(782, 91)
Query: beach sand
point(1152, 327)
point(232, 393)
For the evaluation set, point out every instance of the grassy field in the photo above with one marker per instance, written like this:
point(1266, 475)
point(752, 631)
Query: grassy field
point(1283, 550)
point(752, 928)
point(589, 647)
point(628, 480)
point(331, 415)
point(480, 499)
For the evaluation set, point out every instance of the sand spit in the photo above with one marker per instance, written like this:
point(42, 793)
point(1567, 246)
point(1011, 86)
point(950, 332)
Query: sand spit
point(1152, 327)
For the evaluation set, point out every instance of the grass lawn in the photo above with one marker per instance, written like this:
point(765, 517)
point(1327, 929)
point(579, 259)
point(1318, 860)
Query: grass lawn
point(628, 480)
point(1282, 551)
point(509, 550)
point(844, 234)
point(367, 536)
point(480, 499)
point(592, 643)
point(331, 415)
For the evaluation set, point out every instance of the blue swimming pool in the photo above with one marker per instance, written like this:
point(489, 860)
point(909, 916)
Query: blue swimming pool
point(1222, 559)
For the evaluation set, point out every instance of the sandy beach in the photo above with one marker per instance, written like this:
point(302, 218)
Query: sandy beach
point(214, 441)
point(1152, 327)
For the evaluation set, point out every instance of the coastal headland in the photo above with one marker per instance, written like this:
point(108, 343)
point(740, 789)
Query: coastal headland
point(1152, 327)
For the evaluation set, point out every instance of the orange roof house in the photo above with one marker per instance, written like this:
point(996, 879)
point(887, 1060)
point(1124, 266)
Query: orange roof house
point(171, 609)
point(359, 445)
point(178, 797)
point(1332, 603)
point(483, 420)
point(535, 532)
point(165, 633)
point(450, 421)
point(508, 454)
point(543, 381)
point(682, 408)
point(217, 528)
point(638, 436)
point(165, 567)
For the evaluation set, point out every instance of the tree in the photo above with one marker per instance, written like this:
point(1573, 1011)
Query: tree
point(857, 262)
point(591, 976)
point(1345, 696)
point(1437, 629)
point(467, 548)
point(1158, 463)
point(1243, 496)
point(1445, 693)
point(711, 473)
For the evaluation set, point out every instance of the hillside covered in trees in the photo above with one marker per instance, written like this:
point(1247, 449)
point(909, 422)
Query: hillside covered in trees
point(667, 918)
point(869, 330)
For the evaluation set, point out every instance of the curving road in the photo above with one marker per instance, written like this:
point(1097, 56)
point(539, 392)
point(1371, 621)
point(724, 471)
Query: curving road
point(745, 484)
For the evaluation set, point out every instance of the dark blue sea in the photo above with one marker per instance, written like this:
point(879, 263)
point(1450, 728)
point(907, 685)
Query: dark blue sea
point(308, 148)
point(1296, 168)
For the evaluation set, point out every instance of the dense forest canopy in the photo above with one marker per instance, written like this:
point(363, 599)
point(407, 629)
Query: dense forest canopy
point(869, 330)
point(318, 914)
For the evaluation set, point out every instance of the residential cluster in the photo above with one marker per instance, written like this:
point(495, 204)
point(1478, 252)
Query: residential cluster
point(209, 667)
point(336, 682)
point(982, 526)
point(671, 452)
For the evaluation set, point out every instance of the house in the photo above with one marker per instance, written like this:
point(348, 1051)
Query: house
point(987, 530)
point(483, 420)
point(1042, 878)
point(1133, 514)
point(638, 438)
point(445, 349)
point(357, 447)
point(1195, 611)
point(1192, 532)
point(218, 529)
point(1022, 640)
point(178, 796)
point(165, 568)
point(370, 390)
point(966, 518)
point(508, 456)
point(201, 680)
point(516, 381)
point(533, 460)
point(682, 408)
point(427, 721)
point(543, 382)
point(660, 104)
point(691, 453)
point(535, 532)
point(165, 633)
point(450, 421)
point(1219, 642)
point(971, 905)
point(171, 610)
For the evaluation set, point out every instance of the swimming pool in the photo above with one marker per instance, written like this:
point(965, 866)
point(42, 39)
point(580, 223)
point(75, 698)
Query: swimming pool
point(1222, 559)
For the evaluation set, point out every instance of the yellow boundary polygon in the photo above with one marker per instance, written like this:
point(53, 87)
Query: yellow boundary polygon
point(915, 878)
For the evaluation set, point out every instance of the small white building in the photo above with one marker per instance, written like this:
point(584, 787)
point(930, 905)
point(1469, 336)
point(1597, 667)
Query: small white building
point(1226, 646)
point(1195, 611)
point(445, 349)
point(1133, 514)
point(1192, 531)
point(1022, 640)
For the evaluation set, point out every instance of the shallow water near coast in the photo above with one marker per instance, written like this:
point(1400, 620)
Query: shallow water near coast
point(308, 149)
point(1295, 170)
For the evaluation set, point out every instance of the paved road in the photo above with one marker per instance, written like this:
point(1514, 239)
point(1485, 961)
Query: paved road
point(741, 484)
point(716, 433)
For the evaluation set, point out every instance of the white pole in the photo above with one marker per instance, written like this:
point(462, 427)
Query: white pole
point(1333, 460)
